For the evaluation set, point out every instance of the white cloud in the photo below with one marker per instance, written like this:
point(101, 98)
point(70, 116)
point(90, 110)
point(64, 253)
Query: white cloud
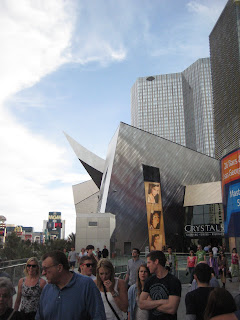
point(188, 36)
point(209, 11)
point(36, 174)
point(37, 38)
point(102, 37)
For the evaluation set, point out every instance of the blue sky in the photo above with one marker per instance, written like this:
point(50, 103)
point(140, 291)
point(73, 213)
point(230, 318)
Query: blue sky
point(69, 66)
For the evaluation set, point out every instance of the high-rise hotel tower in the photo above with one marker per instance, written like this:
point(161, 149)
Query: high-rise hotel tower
point(177, 106)
point(225, 66)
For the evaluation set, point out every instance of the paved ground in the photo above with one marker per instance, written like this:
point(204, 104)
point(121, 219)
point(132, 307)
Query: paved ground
point(233, 287)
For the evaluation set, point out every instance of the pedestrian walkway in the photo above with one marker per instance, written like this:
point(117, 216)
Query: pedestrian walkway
point(232, 287)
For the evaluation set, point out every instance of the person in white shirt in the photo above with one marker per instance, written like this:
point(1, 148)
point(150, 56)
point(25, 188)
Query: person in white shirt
point(82, 254)
point(215, 251)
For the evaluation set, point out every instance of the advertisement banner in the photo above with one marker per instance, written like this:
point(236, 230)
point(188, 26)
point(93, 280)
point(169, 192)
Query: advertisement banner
point(54, 224)
point(154, 208)
point(230, 172)
point(154, 215)
point(28, 237)
point(18, 230)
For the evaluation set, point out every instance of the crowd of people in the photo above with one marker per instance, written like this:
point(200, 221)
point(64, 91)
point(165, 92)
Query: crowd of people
point(218, 263)
point(149, 291)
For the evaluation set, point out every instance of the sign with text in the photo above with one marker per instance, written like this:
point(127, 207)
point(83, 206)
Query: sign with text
point(230, 172)
point(54, 216)
point(204, 230)
point(54, 224)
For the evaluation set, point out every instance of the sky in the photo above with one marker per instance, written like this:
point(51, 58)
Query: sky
point(68, 66)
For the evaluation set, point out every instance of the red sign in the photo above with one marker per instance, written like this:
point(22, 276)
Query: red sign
point(28, 236)
point(230, 166)
point(58, 224)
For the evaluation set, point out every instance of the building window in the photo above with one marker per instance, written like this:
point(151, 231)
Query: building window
point(92, 224)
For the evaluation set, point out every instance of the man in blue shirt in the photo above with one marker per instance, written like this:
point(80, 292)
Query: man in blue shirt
point(67, 296)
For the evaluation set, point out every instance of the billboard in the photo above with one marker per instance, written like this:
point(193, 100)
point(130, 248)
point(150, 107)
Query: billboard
point(230, 172)
point(154, 208)
point(18, 230)
point(54, 225)
point(28, 237)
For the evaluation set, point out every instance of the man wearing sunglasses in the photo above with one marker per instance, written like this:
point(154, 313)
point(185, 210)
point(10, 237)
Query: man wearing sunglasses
point(86, 265)
point(68, 295)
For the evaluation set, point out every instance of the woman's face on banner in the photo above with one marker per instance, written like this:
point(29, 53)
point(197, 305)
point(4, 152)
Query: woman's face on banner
point(155, 220)
point(155, 190)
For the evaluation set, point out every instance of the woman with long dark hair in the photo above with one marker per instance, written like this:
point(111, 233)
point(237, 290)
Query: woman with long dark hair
point(191, 263)
point(134, 312)
point(155, 220)
point(220, 301)
point(156, 244)
point(153, 193)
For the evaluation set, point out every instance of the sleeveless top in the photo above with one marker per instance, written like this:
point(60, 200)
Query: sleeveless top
point(140, 314)
point(109, 314)
point(234, 259)
point(30, 297)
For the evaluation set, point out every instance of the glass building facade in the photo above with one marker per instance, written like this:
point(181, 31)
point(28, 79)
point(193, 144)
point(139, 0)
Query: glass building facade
point(177, 106)
point(204, 214)
point(225, 68)
point(198, 77)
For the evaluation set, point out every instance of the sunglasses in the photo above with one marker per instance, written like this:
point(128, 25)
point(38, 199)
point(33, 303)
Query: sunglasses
point(88, 265)
point(32, 265)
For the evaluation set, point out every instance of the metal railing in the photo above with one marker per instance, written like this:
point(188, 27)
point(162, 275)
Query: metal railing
point(15, 268)
point(121, 270)
point(14, 271)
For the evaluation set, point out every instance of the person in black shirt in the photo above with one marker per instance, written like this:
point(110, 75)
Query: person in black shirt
point(196, 300)
point(162, 292)
point(105, 252)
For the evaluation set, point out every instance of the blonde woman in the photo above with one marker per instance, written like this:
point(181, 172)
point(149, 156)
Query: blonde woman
point(113, 291)
point(29, 289)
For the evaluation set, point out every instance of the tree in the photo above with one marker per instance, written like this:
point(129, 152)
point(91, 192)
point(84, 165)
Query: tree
point(15, 248)
point(71, 240)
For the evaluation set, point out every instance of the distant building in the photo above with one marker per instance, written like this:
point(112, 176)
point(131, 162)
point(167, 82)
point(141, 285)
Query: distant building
point(177, 106)
point(25, 233)
point(54, 227)
point(225, 67)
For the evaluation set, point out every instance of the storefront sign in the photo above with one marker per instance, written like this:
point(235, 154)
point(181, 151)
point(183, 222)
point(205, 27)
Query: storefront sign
point(204, 230)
